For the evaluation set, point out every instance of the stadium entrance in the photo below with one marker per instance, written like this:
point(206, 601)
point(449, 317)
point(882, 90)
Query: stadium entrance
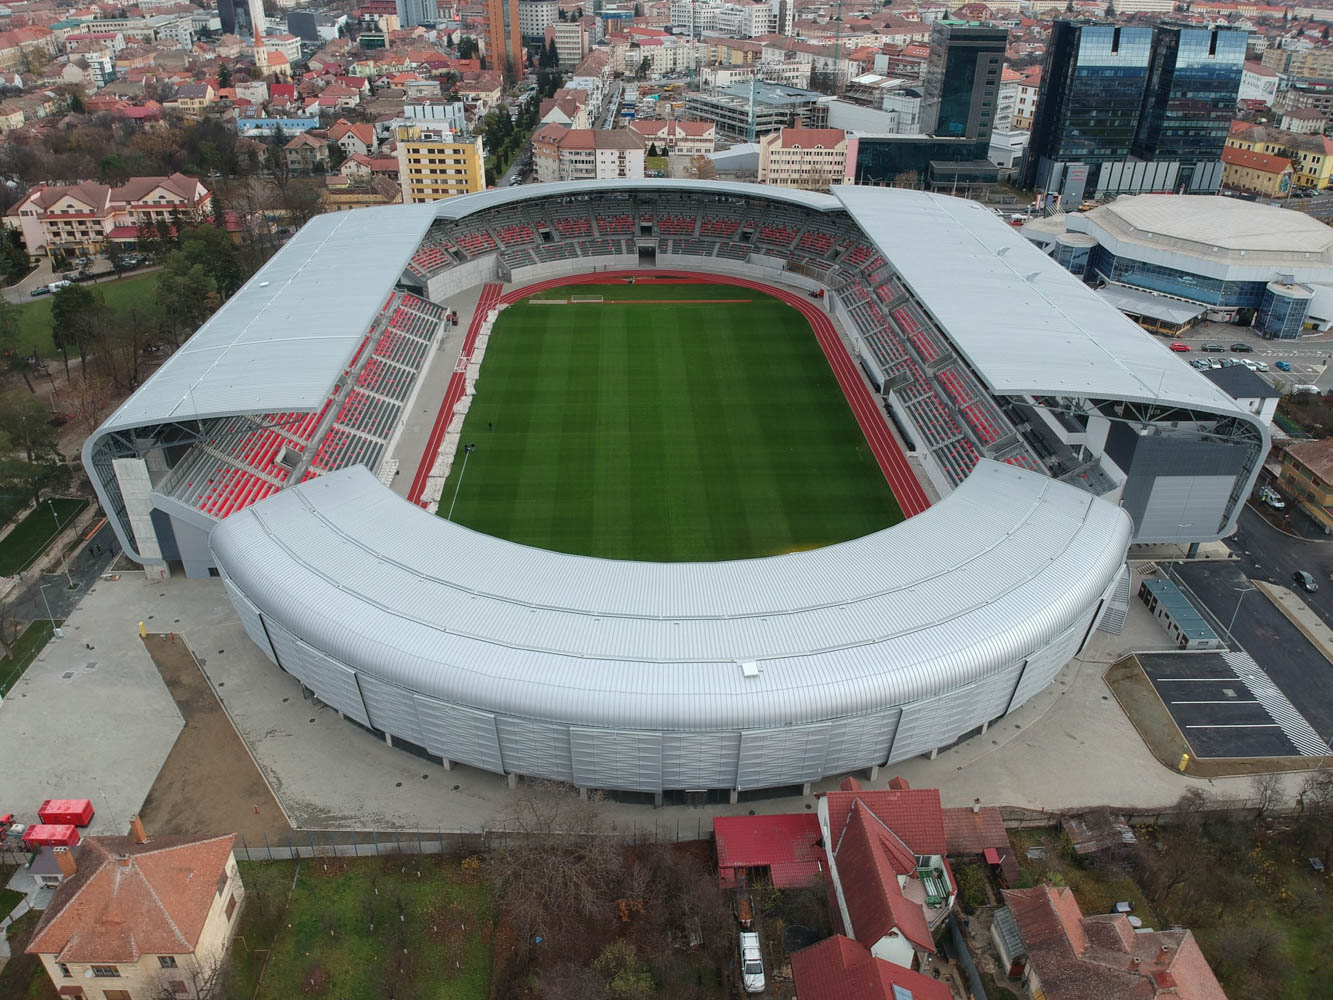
point(647, 253)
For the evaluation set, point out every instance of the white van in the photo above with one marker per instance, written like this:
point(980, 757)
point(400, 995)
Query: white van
point(752, 963)
point(55, 286)
point(1314, 389)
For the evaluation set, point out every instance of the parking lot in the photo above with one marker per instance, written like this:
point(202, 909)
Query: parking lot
point(1217, 712)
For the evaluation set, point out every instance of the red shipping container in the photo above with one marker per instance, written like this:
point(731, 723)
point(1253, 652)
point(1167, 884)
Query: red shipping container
point(49, 835)
point(73, 812)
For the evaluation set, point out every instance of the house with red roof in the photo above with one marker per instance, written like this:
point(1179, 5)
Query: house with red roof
point(139, 917)
point(839, 968)
point(358, 138)
point(1061, 954)
point(783, 850)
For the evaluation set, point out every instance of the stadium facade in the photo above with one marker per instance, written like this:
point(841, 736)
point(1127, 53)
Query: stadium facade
point(1055, 431)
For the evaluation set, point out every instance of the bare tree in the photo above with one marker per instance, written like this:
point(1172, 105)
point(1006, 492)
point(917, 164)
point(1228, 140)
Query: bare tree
point(204, 979)
point(1266, 790)
point(561, 863)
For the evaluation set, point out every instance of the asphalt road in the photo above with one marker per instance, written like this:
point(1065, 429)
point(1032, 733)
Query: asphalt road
point(1295, 666)
point(1269, 554)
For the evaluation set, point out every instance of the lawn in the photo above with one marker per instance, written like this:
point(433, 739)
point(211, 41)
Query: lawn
point(31, 642)
point(373, 927)
point(665, 431)
point(122, 295)
point(34, 533)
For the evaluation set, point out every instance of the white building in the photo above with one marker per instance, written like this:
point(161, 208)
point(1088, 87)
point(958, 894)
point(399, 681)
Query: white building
point(535, 16)
point(1258, 83)
point(564, 154)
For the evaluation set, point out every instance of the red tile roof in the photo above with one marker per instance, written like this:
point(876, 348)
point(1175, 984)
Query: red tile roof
point(914, 814)
point(870, 857)
point(1255, 161)
point(968, 832)
point(128, 900)
point(839, 968)
point(788, 845)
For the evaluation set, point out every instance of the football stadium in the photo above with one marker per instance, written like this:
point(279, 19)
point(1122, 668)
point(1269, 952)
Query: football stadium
point(670, 487)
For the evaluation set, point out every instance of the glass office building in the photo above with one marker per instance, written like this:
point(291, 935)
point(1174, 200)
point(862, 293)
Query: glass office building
point(1114, 99)
point(962, 80)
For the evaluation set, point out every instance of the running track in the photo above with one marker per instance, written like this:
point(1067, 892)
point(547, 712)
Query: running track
point(892, 462)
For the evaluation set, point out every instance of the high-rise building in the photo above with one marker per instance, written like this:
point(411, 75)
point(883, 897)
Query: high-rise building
point(227, 14)
point(1127, 110)
point(504, 37)
point(414, 12)
point(962, 82)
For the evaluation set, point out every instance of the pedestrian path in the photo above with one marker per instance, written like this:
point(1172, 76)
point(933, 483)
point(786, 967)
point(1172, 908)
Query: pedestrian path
point(1275, 703)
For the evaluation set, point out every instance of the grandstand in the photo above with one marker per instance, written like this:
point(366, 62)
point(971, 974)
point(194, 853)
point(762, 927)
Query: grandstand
point(1048, 431)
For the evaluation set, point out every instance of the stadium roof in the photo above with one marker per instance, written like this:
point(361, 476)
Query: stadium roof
point(280, 342)
point(1229, 223)
point(1025, 324)
point(1014, 560)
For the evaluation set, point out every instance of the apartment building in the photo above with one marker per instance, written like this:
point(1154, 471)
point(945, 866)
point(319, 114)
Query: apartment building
point(671, 136)
point(434, 162)
point(565, 154)
point(810, 158)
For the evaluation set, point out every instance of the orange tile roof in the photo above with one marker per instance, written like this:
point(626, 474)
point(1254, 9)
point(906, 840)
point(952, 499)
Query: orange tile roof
point(808, 138)
point(1255, 161)
point(128, 900)
point(839, 968)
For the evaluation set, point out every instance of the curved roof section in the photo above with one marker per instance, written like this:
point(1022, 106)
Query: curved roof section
point(282, 339)
point(347, 565)
point(1226, 223)
point(1026, 324)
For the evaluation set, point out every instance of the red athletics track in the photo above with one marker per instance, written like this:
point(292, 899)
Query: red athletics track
point(892, 462)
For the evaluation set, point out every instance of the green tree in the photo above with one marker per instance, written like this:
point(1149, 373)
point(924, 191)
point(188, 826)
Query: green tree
point(627, 975)
point(27, 421)
point(76, 105)
point(70, 309)
point(467, 48)
point(224, 76)
point(14, 263)
point(644, 67)
point(186, 295)
point(14, 357)
point(212, 249)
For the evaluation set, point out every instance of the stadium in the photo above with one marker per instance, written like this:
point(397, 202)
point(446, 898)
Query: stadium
point(695, 414)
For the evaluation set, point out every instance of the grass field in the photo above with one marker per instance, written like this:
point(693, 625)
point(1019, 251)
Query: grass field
point(30, 642)
point(664, 430)
point(139, 292)
point(33, 534)
point(369, 927)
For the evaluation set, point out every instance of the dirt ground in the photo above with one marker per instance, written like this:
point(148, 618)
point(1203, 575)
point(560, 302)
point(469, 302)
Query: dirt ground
point(209, 783)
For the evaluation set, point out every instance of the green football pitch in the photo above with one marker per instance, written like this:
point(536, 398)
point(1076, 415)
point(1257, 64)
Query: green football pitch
point(688, 429)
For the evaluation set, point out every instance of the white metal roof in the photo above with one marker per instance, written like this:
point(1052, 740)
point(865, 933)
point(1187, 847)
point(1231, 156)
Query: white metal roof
point(1134, 300)
point(1024, 323)
point(279, 343)
point(1228, 223)
point(1002, 565)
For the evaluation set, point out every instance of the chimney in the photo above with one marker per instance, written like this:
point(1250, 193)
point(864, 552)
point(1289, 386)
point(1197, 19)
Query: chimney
point(137, 833)
point(124, 861)
point(976, 806)
point(65, 860)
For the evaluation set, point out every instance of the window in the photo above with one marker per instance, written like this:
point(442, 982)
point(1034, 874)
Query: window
point(116, 994)
point(106, 972)
point(64, 970)
point(167, 961)
point(231, 907)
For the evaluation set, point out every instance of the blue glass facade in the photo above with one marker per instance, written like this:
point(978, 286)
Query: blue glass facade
point(1191, 96)
point(1282, 316)
point(1073, 259)
point(1170, 281)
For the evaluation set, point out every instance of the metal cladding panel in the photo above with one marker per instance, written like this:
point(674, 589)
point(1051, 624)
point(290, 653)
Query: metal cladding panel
point(700, 760)
point(392, 710)
point(1045, 663)
point(459, 734)
point(537, 749)
point(1200, 499)
point(332, 682)
point(625, 759)
point(859, 742)
point(250, 620)
point(930, 724)
point(786, 756)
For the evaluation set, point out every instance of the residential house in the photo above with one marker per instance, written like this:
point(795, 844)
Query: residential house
point(10, 118)
point(307, 153)
point(839, 968)
point(1307, 477)
point(354, 139)
point(1307, 121)
point(1311, 156)
point(567, 107)
point(1063, 955)
point(360, 167)
point(192, 99)
point(1026, 91)
point(483, 89)
point(1248, 390)
point(139, 918)
point(343, 194)
point(254, 91)
point(564, 154)
point(674, 136)
point(84, 217)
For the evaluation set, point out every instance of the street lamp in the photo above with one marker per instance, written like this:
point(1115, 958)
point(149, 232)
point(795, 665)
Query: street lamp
point(64, 562)
point(467, 450)
point(49, 616)
point(1242, 591)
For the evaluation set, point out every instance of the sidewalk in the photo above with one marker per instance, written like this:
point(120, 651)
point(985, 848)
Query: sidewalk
point(1300, 614)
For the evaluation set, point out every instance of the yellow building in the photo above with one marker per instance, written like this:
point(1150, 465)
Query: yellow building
point(433, 163)
point(1311, 156)
point(1243, 170)
point(1307, 477)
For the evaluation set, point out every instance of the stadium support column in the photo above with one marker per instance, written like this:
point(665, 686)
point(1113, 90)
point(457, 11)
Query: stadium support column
point(735, 796)
point(512, 778)
point(874, 772)
point(446, 763)
point(136, 489)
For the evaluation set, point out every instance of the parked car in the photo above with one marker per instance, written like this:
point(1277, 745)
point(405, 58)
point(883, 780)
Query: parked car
point(1283, 366)
point(55, 286)
point(1241, 348)
point(1213, 348)
point(752, 963)
point(1199, 364)
point(1303, 580)
point(1180, 348)
point(1271, 497)
point(1257, 366)
point(1298, 390)
point(39, 290)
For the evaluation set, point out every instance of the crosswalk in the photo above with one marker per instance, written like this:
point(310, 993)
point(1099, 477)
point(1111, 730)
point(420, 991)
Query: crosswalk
point(1275, 703)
